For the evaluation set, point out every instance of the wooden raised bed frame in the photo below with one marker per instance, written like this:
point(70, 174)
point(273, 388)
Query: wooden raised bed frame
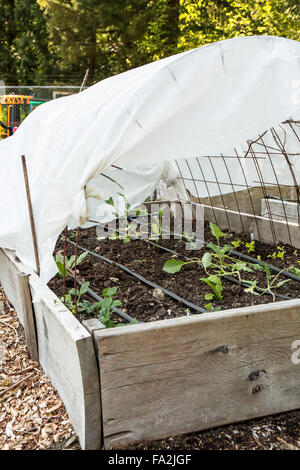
point(162, 378)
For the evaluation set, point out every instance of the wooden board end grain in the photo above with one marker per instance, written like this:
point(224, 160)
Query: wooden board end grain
point(9, 278)
point(29, 319)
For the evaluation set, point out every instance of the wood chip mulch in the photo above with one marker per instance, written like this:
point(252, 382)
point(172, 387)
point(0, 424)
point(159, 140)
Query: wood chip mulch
point(32, 416)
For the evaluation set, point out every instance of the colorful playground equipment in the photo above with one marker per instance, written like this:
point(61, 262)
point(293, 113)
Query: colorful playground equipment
point(13, 110)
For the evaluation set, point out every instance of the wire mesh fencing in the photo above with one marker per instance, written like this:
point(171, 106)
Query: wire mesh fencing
point(16, 102)
point(40, 93)
point(255, 189)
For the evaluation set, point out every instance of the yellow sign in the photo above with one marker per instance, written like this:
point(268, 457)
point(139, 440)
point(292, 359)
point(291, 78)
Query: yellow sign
point(15, 99)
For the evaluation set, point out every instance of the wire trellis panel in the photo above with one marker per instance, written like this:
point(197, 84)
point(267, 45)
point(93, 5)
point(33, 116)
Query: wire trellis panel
point(259, 182)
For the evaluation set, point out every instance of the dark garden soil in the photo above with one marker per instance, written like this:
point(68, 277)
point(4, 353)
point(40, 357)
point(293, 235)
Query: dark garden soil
point(147, 304)
point(278, 432)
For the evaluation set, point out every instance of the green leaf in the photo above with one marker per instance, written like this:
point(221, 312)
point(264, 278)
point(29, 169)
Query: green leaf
point(215, 284)
point(214, 248)
point(106, 304)
point(242, 266)
point(72, 291)
point(251, 288)
point(82, 257)
point(209, 307)
point(267, 270)
point(60, 268)
point(209, 296)
point(215, 279)
point(257, 267)
point(206, 260)
point(225, 249)
point(109, 291)
point(295, 271)
point(173, 265)
point(71, 262)
point(217, 233)
point(110, 202)
point(282, 283)
point(84, 288)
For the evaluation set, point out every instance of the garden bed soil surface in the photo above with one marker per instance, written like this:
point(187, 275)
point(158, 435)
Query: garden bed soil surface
point(146, 304)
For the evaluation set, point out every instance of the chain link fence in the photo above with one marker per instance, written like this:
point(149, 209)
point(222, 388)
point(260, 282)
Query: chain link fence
point(16, 102)
point(40, 93)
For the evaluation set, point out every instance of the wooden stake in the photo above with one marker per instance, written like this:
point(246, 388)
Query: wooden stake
point(33, 232)
point(84, 80)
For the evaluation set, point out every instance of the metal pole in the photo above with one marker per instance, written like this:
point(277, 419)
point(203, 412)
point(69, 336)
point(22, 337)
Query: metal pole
point(32, 225)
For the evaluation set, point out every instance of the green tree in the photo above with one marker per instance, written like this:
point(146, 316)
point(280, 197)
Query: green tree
point(96, 34)
point(205, 21)
point(24, 53)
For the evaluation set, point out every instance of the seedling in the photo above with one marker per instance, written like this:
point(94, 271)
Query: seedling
point(218, 263)
point(272, 281)
point(107, 304)
point(68, 298)
point(237, 243)
point(278, 254)
point(69, 263)
point(250, 246)
point(127, 228)
point(215, 283)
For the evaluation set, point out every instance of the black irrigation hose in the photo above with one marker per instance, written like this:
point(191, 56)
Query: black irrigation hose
point(228, 278)
point(270, 266)
point(100, 299)
point(176, 297)
point(238, 254)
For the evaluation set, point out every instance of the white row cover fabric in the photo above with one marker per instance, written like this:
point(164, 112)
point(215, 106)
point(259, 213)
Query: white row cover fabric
point(201, 102)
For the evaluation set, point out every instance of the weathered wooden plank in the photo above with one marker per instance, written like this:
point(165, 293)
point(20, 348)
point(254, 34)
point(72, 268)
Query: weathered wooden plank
point(65, 348)
point(182, 375)
point(247, 200)
point(29, 320)
point(9, 278)
point(93, 325)
point(16, 286)
point(67, 355)
point(280, 210)
point(262, 228)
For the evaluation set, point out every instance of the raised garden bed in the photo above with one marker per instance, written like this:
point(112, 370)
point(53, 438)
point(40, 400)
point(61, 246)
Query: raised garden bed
point(145, 304)
point(178, 371)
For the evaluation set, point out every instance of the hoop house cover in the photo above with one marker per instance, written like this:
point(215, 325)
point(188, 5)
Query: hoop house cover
point(202, 102)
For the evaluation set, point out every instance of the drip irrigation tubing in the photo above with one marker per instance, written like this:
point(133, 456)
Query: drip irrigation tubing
point(238, 254)
point(100, 299)
point(173, 296)
point(270, 266)
point(228, 278)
